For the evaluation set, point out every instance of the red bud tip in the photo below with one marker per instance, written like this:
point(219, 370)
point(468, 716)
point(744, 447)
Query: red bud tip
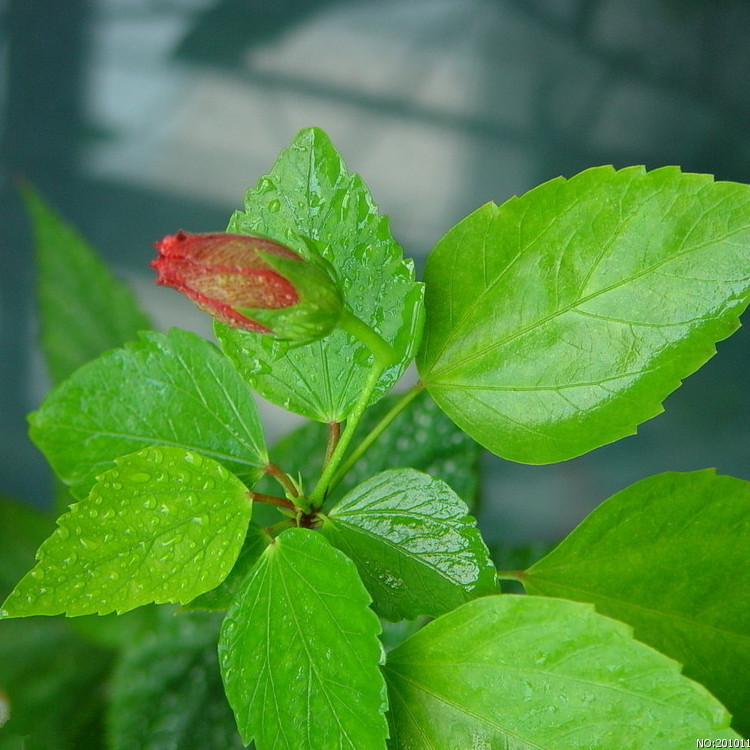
point(222, 272)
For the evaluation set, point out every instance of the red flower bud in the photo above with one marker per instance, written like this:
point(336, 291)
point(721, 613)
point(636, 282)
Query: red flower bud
point(241, 280)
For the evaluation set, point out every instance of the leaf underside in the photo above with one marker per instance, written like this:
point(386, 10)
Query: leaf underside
point(560, 320)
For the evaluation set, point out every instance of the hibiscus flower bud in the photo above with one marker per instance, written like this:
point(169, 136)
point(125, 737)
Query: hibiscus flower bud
point(252, 283)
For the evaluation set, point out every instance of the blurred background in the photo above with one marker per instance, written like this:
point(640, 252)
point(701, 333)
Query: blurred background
point(138, 117)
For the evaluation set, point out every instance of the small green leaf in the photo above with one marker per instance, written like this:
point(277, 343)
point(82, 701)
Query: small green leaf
point(167, 694)
point(669, 556)
point(310, 195)
point(299, 651)
point(83, 309)
point(221, 597)
point(164, 525)
point(415, 546)
point(561, 320)
point(526, 672)
point(160, 390)
point(421, 437)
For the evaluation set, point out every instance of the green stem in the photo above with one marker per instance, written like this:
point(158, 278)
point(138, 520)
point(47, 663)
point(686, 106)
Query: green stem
point(376, 432)
point(334, 434)
point(383, 357)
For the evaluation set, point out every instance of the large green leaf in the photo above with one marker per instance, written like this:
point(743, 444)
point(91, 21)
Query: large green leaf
point(167, 694)
point(310, 194)
point(299, 651)
point(160, 390)
point(421, 437)
point(415, 546)
point(83, 309)
point(164, 525)
point(526, 672)
point(669, 556)
point(561, 320)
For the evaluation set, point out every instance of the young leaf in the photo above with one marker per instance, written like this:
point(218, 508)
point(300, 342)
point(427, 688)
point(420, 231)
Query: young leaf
point(669, 556)
point(527, 672)
point(561, 320)
point(421, 437)
point(221, 597)
point(83, 309)
point(299, 651)
point(415, 546)
point(164, 525)
point(167, 693)
point(310, 194)
point(160, 390)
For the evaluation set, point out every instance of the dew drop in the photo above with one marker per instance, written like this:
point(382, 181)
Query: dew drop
point(274, 206)
point(37, 573)
point(140, 477)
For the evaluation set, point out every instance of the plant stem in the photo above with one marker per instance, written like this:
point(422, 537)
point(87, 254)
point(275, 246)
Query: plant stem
point(282, 478)
point(259, 497)
point(383, 357)
point(334, 434)
point(376, 432)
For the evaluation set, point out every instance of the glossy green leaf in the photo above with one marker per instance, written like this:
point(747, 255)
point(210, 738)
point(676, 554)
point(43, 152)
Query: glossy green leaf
point(528, 672)
point(220, 598)
point(415, 546)
point(167, 693)
point(299, 651)
point(160, 390)
point(561, 320)
point(54, 684)
point(310, 194)
point(669, 556)
point(164, 525)
point(421, 437)
point(83, 309)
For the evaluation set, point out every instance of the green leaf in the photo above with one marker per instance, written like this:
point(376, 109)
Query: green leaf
point(221, 597)
point(309, 194)
point(54, 683)
point(561, 320)
point(22, 530)
point(167, 692)
point(525, 672)
point(421, 437)
point(299, 651)
point(669, 556)
point(415, 546)
point(164, 525)
point(83, 309)
point(160, 390)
